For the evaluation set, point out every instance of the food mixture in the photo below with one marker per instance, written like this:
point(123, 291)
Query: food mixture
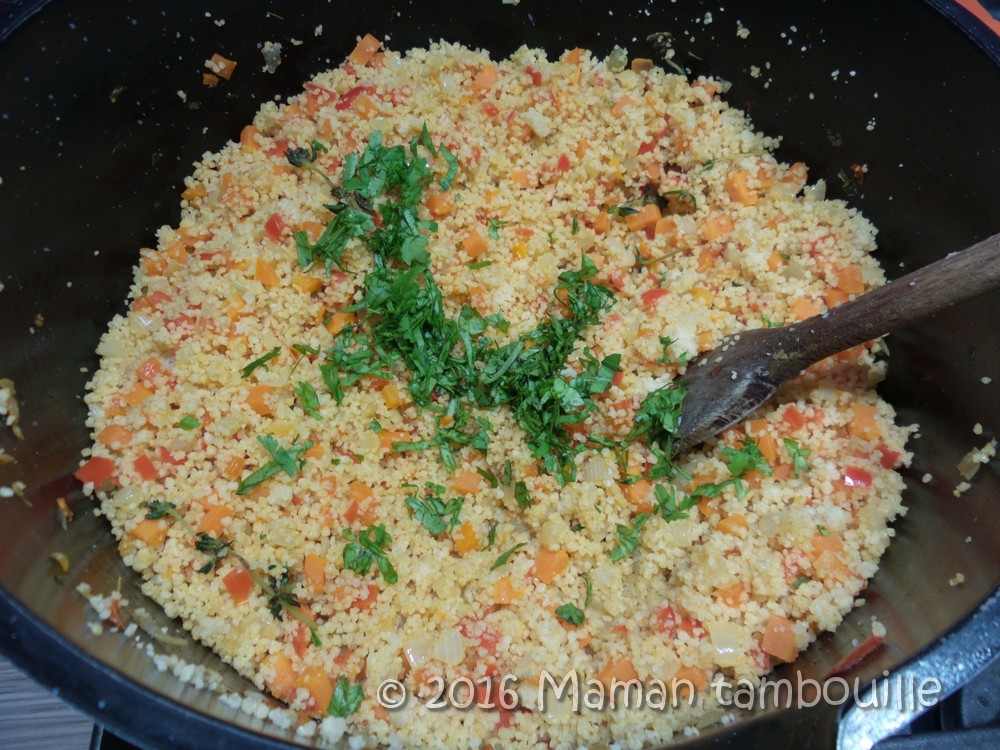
point(396, 401)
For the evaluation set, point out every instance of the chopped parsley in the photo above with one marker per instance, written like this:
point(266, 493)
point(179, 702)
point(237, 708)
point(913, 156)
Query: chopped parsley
point(308, 399)
point(491, 535)
point(522, 496)
point(347, 696)
point(799, 581)
point(478, 264)
point(369, 546)
point(628, 537)
point(438, 515)
point(590, 590)
point(667, 505)
point(502, 560)
point(570, 613)
point(799, 456)
point(658, 421)
point(288, 460)
point(260, 362)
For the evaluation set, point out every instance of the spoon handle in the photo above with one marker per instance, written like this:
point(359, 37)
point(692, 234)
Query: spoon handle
point(953, 279)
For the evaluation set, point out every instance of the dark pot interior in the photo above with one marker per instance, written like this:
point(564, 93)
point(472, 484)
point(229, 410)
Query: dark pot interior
point(96, 142)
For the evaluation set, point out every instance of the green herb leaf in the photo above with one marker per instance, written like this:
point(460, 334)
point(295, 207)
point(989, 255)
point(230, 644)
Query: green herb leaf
point(160, 509)
point(259, 362)
point(308, 399)
point(628, 537)
point(590, 590)
point(667, 506)
point(452, 162)
point(288, 460)
point(570, 613)
point(491, 535)
point(369, 546)
point(189, 423)
point(347, 697)
point(434, 512)
point(522, 496)
point(478, 264)
point(216, 550)
point(502, 560)
point(799, 455)
point(493, 228)
point(748, 458)
point(799, 581)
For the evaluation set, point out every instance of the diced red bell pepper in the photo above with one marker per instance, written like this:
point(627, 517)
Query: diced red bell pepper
point(274, 226)
point(491, 109)
point(166, 457)
point(890, 459)
point(651, 297)
point(665, 621)
point(350, 96)
point(536, 75)
point(563, 164)
point(96, 471)
point(855, 476)
point(145, 467)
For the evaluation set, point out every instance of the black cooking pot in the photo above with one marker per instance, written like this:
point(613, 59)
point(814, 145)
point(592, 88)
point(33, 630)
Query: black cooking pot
point(96, 139)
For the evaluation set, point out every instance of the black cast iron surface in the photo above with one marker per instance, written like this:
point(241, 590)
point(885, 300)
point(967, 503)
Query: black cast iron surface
point(95, 141)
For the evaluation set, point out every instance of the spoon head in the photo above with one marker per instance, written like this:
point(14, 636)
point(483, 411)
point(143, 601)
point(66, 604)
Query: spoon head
point(729, 383)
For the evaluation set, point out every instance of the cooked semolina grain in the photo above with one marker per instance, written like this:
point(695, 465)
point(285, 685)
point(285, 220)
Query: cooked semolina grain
point(557, 160)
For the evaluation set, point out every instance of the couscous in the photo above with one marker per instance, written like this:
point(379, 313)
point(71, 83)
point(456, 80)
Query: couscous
point(393, 401)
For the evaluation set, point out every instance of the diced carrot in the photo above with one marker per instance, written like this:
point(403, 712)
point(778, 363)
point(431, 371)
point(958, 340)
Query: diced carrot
point(688, 677)
point(359, 492)
point(318, 450)
point(485, 79)
point(834, 297)
point(212, 522)
point(387, 438)
point(366, 598)
point(150, 369)
point(768, 446)
point(716, 227)
point(221, 66)
point(307, 284)
point(279, 677)
point(829, 565)
point(731, 595)
point(520, 178)
point(392, 396)
point(641, 64)
point(828, 542)
point(137, 394)
point(465, 538)
point(623, 103)
point(574, 56)
point(647, 217)
point(619, 668)
point(731, 524)
point(314, 570)
point(863, 424)
point(266, 274)
point(779, 639)
point(441, 204)
point(504, 591)
point(233, 468)
point(706, 261)
point(890, 458)
point(467, 482)
point(793, 418)
point(152, 532)
point(665, 226)
point(340, 320)
point(737, 185)
point(210, 80)
point(520, 250)
point(474, 244)
point(637, 492)
point(804, 308)
point(145, 467)
point(601, 222)
point(362, 55)
point(775, 261)
point(850, 280)
point(549, 564)
point(705, 341)
point(238, 583)
point(364, 106)
point(312, 228)
point(248, 142)
point(257, 399)
point(234, 306)
point(114, 436)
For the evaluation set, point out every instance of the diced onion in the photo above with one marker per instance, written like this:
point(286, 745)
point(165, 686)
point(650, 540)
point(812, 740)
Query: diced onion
point(450, 648)
point(111, 347)
point(727, 643)
point(596, 469)
point(418, 650)
point(368, 442)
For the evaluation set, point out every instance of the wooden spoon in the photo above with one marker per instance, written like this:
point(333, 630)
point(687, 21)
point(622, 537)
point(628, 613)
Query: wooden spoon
point(731, 381)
